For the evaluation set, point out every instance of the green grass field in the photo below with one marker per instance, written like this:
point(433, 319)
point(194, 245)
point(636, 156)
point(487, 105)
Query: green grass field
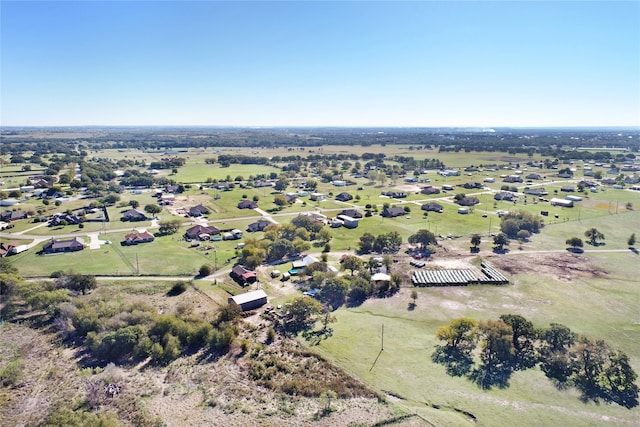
point(607, 309)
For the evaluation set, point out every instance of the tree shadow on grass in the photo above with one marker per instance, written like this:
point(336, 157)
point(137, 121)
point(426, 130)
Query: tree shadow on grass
point(491, 375)
point(457, 362)
point(315, 337)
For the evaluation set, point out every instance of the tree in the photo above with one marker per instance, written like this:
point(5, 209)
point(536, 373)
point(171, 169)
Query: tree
point(110, 199)
point(523, 235)
point(414, 296)
point(632, 240)
point(80, 282)
point(134, 203)
point(423, 237)
point(460, 334)
point(555, 343)
point(334, 291)
point(500, 240)
point(279, 248)
point(169, 227)
point(302, 312)
point(281, 184)
point(324, 235)
point(593, 235)
point(152, 209)
point(497, 345)
point(205, 270)
point(396, 281)
point(366, 243)
point(394, 241)
point(352, 263)
point(311, 184)
point(280, 200)
point(523, 339)
point(618, 380)
point(475, 240)
point(574, 242)
point(588, 359)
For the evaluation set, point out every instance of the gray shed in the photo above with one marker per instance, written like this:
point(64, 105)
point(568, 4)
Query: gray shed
point(249, 300)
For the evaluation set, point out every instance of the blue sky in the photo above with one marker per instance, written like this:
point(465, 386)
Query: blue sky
point(502, 63)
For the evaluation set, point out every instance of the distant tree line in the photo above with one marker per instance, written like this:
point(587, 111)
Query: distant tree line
point(553, 143)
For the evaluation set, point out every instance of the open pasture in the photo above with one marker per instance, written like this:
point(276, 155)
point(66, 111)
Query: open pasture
point(607, 309)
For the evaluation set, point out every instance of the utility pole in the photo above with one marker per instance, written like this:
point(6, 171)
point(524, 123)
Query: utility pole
point(382, 342)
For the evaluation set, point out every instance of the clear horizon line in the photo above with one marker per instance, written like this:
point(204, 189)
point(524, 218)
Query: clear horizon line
point(324, 126)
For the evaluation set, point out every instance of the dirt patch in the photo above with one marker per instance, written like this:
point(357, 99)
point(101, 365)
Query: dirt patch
point(407, 188)
point(46, 377)
point(181, 204)
point(560, 266)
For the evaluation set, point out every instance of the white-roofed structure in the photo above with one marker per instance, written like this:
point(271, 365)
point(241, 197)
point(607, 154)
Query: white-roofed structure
point(249, 300)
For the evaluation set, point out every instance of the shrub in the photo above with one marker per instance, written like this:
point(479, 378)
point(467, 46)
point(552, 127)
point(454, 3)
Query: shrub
point(177, 289)
point(10, 374)
point(205, 270)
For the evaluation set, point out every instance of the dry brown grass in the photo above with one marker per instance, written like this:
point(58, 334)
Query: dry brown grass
point(196, 389)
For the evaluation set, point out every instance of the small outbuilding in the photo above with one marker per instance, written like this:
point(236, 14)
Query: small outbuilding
point(249, 300)
point(347, 221)
point(562, 202)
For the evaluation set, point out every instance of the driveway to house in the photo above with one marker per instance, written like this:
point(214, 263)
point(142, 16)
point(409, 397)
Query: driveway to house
point(266, 215)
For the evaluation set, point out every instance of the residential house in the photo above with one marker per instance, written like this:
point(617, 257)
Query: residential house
point(198, 210)
point(512, 178)
point(51, 193)
point(69, 245)
point(392, 212)
point(173, 189)
point(6, 249)
point(472, 185)
point(353, 213)
point(133, 215)
point(533, 176)
point(9, 216)
point(449, 172)
point(201, 232)
point(538, 191)
point(247, 204)
point(430, 189)
point(243, 275)
point(344, 197)
point(432, 207)
point(505, 196)
point(63, 218)
point(304, 262)
point(317, 197)
point(568, 188)
point(38, 182)
point(137, 237)
point(258, 225)
point(166, 199)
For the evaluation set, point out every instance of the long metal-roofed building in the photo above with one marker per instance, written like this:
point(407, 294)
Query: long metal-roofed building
point(487, 275)
point(249, 300)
